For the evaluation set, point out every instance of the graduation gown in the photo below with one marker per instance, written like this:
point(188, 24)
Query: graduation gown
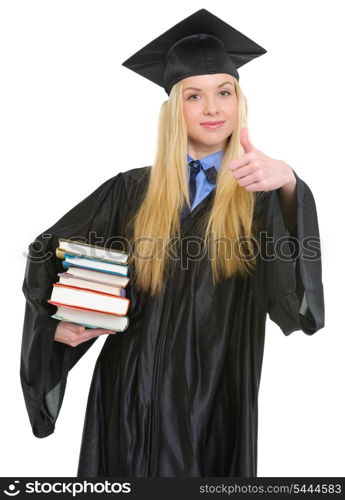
point(176, 394)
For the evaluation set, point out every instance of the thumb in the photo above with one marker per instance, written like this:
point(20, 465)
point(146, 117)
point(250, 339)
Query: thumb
point(244, 139)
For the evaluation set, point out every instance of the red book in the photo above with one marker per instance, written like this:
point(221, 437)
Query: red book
point(88, 299)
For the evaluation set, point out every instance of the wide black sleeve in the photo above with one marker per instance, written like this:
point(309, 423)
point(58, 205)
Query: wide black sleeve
point(45, 363)
point(287, 282)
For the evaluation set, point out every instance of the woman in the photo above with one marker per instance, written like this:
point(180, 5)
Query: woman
point(215, 245)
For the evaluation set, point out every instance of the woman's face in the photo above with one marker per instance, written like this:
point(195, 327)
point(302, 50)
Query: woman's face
point(209, 98)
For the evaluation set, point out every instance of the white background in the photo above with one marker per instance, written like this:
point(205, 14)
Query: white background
point(70, 111)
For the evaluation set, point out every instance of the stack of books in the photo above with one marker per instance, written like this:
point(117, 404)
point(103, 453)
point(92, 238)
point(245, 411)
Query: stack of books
point(91, 291)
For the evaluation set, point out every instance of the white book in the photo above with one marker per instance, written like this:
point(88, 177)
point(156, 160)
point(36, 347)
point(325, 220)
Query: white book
point(92, 251)
point(68, 280)
point(92, 319)
point(97, 301)
point(98, 276)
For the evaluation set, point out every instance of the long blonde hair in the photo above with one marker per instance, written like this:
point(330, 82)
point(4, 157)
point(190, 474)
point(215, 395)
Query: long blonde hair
point(157, 221)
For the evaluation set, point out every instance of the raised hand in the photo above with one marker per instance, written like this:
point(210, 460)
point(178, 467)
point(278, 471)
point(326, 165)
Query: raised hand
point(256, 171)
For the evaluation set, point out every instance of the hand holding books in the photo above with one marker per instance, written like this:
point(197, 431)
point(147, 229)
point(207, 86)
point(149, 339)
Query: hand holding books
point(74, 334)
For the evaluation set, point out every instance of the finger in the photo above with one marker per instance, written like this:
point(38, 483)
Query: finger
point(244, 139)
point(90, 333)
point(241, 161)
point(256, 186)
point(75, 328)
point(100, 331)
point(248, 179)
point(242, 171)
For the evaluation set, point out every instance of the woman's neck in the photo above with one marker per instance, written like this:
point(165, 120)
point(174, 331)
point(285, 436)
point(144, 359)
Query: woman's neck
point(199, 151)
point(198, 154)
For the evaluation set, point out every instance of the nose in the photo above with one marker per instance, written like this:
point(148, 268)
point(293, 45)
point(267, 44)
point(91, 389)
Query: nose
point(211, 106)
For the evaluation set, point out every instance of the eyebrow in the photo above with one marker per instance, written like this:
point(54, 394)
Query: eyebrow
point(194, 88)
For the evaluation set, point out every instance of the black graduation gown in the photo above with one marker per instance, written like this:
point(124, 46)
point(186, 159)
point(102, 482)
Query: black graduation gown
point(176, 394)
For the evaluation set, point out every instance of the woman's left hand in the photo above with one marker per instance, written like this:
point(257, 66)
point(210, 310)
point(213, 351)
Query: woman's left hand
point(256, 171)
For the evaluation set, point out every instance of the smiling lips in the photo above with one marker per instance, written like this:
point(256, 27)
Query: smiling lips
point(212, 125)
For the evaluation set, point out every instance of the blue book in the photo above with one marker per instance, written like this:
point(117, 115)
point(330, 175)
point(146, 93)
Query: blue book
point(94, 264)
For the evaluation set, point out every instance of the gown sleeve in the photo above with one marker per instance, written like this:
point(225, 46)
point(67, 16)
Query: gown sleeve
point(289, 286)
point(45, 363)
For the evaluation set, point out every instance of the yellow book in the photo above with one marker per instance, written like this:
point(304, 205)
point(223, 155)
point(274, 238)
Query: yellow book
point(92, 251)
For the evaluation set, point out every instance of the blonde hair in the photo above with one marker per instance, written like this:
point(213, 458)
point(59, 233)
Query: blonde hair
point(157, 221)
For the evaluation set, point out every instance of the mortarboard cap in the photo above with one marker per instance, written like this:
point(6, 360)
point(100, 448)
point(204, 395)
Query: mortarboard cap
point(200, 44)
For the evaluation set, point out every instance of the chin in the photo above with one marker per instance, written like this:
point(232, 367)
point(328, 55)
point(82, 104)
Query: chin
point(212, 140)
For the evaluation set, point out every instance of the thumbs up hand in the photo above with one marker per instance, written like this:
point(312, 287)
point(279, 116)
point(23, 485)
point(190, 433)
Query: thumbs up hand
point(256, 171)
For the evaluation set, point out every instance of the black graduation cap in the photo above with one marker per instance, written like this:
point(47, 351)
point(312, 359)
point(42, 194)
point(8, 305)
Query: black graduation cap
point(200, 44)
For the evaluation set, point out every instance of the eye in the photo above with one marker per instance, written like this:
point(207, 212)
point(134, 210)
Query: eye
point(190, 98)
point(193, 95)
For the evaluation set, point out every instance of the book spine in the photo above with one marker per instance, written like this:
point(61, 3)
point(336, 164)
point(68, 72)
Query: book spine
point(66, 265)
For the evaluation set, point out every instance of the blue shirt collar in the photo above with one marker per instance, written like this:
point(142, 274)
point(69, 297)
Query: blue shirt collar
point(213, 160)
